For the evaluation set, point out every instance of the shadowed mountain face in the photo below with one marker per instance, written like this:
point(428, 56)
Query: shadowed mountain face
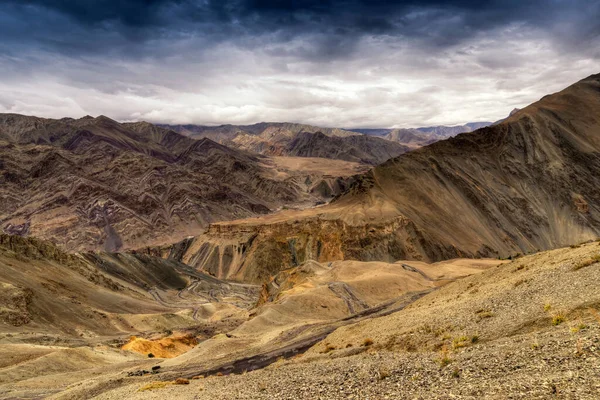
point(286, 139)
point(531, 182)
point(94, 183)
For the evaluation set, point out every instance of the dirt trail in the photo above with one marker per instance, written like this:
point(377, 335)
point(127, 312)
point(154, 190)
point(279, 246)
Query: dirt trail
point(346, 293)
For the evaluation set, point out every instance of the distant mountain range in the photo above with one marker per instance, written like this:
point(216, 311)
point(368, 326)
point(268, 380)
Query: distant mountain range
point(288, 139)
point(418, 137)
point(282, 138)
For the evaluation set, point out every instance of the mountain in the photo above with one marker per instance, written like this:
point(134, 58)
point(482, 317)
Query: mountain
point(229, 132)
point(335, 301)
point(49, 291)
point(286, 139)
point(531, 182)
point(94, 183)
point(418, 137)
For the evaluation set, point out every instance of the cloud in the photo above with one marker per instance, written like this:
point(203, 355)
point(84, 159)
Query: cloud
point(346, 63)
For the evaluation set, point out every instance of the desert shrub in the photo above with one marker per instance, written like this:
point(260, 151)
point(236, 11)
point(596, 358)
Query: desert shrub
point(558, 319)
point(368, 342)
point(182, 381)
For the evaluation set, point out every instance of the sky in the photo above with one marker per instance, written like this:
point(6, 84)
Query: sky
point(332, 63)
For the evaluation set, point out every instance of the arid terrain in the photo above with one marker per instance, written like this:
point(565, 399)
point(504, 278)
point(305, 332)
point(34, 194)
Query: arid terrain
point(139, 263)
point(93, 183)
point(283, 139)
point(299, 199)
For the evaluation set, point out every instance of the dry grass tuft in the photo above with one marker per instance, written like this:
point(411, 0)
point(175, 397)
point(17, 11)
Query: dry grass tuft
point(182, 381)
point(368, 342)
point(444, 359)
point(459, 342)
point(558, 319)
point(579, 327)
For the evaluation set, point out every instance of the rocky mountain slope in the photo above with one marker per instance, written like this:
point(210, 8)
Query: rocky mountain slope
point(47, 291)
point(94, 183)
point(531, 182)
point(286, 139)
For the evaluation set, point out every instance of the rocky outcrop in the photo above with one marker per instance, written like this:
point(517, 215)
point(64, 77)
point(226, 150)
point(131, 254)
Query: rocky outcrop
point(253, 253)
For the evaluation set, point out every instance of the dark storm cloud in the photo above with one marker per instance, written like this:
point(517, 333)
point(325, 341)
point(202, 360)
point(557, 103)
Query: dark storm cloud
point(88, 26)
